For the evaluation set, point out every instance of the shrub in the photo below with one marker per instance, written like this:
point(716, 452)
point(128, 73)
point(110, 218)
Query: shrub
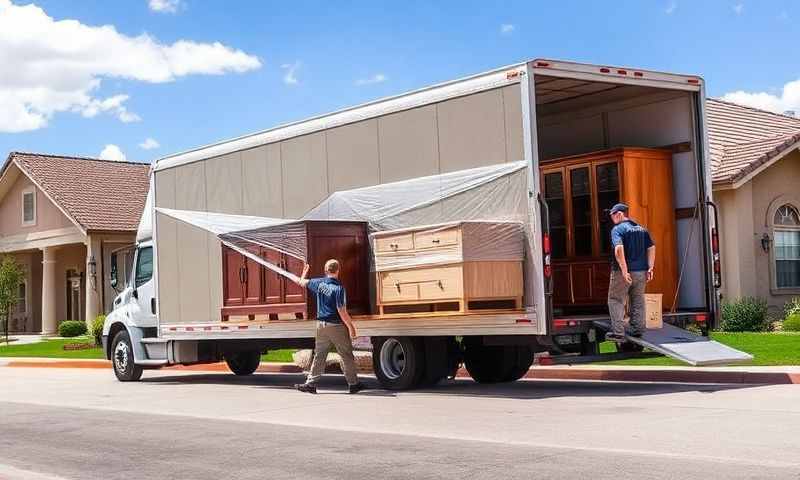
point(97, 328)
point(792, 323)
point(748, 314)
point(72, 328)
point(792, 307)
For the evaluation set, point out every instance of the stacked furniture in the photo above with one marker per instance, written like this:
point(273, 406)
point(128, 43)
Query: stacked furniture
point(579, 190)
point(455, 267)
point(254, 292)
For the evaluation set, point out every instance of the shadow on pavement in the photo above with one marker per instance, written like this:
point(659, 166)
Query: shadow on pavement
point(523, 389)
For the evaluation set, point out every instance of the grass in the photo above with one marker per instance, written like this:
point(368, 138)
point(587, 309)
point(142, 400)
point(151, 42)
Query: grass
point(773, 348)
point(55, 349)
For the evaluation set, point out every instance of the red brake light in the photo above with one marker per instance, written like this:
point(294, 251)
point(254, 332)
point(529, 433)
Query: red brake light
point(714, 240)
point(542, 64)
point(622, 72)
point(546, 244)
point(701, 318)
point(605, 70)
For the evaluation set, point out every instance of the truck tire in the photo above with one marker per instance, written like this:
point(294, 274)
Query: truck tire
point(398, 362)
point(442, 359)
point(496, 363)
point(243, 363)
point(122, 358)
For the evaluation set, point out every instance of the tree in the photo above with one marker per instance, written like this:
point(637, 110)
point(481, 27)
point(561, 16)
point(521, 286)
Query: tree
point(11, 275)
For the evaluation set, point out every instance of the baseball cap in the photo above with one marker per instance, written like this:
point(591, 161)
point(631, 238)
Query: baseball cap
point(620, 207)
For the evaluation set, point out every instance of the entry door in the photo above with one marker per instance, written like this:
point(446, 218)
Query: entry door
point(74, 295)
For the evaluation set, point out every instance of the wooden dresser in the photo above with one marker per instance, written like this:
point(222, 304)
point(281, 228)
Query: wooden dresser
point(253, 292)
point(455, 267)
point(579, 191)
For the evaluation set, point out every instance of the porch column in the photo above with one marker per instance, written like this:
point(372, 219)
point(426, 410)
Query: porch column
point(94, 283)
point(49, 322)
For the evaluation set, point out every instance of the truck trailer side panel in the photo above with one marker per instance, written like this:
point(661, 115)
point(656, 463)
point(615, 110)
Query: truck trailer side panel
point(479, 129)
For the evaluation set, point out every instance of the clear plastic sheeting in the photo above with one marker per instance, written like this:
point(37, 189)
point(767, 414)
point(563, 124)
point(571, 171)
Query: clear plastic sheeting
point(490, 202)
point(480, 241)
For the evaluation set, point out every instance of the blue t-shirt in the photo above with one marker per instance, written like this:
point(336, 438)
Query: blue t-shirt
point(330, 296)
point(636, 240)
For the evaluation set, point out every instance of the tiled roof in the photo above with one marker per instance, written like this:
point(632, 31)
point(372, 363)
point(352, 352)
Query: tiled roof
point(743, 138)
point(97, 194)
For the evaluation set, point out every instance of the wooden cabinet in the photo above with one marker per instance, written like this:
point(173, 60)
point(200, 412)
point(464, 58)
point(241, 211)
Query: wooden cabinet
point(449, 268)
point(579, 191)
point(254, 292)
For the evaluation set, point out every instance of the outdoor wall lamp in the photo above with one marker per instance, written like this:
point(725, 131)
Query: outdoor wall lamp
point(765, 241)
point(92, 264)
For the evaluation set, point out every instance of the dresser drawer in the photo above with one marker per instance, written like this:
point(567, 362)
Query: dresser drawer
point(399, 292)
point(421, 284)
point(435, 239)
point(394, 243)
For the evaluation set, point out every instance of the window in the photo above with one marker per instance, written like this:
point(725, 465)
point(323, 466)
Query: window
point(787, 247)
point(144, 266)
point(22, 297)
point(29, 207)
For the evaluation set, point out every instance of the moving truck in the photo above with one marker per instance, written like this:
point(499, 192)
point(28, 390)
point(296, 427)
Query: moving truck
point(509, 124)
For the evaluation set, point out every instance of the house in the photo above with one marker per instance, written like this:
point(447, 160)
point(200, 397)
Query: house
point(755, 158)
point(61, 218)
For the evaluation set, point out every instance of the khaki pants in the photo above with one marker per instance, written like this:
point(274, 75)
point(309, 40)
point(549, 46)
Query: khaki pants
point(337, 335)
point(619, 292)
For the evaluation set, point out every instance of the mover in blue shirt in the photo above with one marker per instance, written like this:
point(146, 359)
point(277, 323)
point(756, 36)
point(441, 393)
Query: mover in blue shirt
point(631, 269)
point(334, 327)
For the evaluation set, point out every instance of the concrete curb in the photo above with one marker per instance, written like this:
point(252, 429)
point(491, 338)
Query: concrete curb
point(751, 376)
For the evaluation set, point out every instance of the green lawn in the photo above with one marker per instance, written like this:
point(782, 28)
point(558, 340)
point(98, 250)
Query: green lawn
point(779, 348)
point(54, 349)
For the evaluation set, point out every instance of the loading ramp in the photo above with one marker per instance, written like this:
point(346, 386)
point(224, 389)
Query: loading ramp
point(684, 346)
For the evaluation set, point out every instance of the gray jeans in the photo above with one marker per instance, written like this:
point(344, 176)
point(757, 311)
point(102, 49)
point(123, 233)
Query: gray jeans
point(620, 292)
point(335, 335)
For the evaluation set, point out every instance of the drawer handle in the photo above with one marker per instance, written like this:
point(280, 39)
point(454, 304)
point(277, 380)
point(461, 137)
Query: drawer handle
point(441, 286)
point(394, 246)
point(435, 240)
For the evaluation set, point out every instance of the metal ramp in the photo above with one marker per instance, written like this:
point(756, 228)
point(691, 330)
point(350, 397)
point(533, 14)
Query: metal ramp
point(684, 346)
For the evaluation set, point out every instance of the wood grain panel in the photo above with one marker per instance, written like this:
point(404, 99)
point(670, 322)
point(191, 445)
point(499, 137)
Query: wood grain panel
point(493, 279)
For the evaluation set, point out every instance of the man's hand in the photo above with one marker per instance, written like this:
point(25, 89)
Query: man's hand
point(649, 274)
point(306, 268)
point(352, 330)
point(627, 276)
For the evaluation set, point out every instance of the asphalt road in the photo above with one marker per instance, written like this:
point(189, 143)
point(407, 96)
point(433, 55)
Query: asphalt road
point(83, 424)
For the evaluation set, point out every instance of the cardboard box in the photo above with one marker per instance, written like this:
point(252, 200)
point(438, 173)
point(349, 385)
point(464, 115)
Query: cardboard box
point(652, 311)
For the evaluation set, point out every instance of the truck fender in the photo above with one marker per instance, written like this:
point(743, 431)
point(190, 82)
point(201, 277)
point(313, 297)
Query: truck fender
point(136, 334)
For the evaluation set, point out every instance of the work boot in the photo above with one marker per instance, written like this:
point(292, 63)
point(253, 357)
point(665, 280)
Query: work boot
point(306, 387)
point(615, 337)
point(355, 388)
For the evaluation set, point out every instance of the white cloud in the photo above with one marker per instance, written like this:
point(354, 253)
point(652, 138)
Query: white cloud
point(149, 144)
point(112, 152)
point(671, 8)
point(377, 78)
point(289, 78)
point(507, 29)
point(165, 6)
point(58, 66)
point(789, 98)
point(738, 8)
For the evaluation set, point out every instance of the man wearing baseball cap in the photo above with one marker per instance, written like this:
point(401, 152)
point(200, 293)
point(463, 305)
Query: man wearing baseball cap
point(631, 269)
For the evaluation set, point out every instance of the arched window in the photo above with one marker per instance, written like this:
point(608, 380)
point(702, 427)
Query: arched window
point(786, 224)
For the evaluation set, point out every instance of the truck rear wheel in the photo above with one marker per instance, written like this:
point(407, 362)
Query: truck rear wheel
point(496, 363)
point(398, 362)
point(243, 363)
point(122, 358)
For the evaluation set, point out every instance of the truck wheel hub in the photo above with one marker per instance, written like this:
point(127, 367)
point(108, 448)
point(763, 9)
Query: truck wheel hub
point(393, 359)
point(121, 356)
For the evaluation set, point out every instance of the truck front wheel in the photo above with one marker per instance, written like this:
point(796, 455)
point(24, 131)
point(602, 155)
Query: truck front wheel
point(398, 362)
point(243, 363)
point(122, 358)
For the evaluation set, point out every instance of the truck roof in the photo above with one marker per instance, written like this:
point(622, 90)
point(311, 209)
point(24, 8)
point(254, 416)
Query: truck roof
point(491, 79)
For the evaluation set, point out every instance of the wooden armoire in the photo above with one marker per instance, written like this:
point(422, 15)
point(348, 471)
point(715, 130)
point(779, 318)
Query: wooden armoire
point(579, 191)
point(252, 291)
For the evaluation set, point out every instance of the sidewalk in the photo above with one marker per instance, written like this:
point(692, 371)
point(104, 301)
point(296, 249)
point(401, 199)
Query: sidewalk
point(730, 375)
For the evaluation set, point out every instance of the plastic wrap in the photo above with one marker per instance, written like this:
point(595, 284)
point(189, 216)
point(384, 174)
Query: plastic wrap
point(489, 202)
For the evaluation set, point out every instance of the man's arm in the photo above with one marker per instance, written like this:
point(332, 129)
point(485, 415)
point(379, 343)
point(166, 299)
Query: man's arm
point(348, 322)
point(303, 281)
point(619, 254)
point(651, 261)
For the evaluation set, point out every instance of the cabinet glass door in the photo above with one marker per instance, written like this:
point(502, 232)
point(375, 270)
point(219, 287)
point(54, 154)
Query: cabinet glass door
point(607, 175)
point(554, 197)
point(581, 199)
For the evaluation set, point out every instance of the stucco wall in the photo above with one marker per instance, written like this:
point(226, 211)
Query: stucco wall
point(48, 216)
point(288, 178)
point(746, 216)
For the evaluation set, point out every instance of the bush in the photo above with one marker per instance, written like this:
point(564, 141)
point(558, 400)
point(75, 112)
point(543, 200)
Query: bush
point(72, 328)
point(97, 328)
point(792, 307)
point(747, 314)
point(792, 323)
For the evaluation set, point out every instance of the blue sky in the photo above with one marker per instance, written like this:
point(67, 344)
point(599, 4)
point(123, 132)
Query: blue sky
point(63, 88)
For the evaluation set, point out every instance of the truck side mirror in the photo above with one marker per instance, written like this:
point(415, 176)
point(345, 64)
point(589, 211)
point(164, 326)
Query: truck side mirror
point(114, 280)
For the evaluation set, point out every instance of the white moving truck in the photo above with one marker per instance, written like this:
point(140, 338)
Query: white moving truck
point(530, 112)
